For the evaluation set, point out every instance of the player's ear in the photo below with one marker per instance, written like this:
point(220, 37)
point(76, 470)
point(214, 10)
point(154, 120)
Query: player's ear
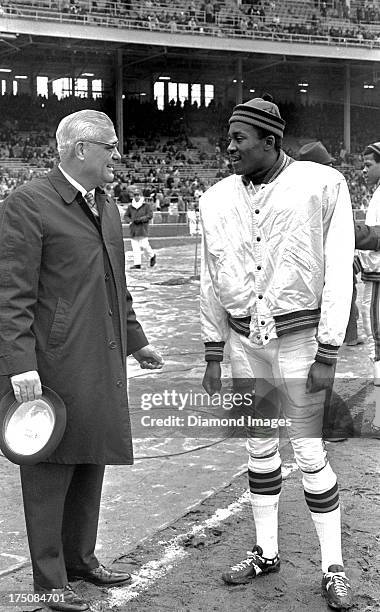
point(269, 142)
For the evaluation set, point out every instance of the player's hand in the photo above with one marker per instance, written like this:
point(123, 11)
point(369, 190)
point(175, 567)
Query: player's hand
point(26, 386)
point(148, 358)
point(321, 376)
point(212, 379)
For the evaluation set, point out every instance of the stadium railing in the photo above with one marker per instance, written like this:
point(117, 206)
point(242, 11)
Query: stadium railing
point(40, 12)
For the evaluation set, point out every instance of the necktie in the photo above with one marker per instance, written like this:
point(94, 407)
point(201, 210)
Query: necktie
point(91, 203)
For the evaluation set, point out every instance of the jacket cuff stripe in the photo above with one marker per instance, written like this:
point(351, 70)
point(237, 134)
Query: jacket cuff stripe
point(327, 353)
point(214, 351)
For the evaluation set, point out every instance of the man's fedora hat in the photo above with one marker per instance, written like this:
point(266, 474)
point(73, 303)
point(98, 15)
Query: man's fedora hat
point(315, 152)
point(31, 431)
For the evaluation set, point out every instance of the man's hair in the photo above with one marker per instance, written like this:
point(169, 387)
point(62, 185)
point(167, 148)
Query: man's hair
point(264, 133)
point(80, 126)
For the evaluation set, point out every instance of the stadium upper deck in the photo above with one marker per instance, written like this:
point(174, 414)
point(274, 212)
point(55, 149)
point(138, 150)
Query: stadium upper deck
point(303, 21)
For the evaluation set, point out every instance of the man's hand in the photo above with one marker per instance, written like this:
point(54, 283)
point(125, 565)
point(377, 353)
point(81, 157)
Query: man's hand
point(26, 386)
point(212, 379)
point(148, 358)
point(321, 376)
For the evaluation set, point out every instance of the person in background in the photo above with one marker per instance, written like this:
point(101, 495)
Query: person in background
point(164, 208)
point(366, 238)
point(337, 421)
point(124, 196)
point(276, 288)
point(138, 215)
point(370, 262)
point(182, 209)
point(65, 317)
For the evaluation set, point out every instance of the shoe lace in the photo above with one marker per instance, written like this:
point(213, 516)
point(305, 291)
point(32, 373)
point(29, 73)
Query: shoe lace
point(243, 564)
point(340, 583)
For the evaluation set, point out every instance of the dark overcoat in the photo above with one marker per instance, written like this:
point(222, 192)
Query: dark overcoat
point(65, 311)
point(139, 220)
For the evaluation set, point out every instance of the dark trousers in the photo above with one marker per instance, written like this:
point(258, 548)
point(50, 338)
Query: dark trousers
point(61, 505)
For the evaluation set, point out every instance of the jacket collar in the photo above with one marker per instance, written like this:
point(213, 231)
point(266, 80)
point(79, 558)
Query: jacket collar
point(279, 166)
point(66, 190)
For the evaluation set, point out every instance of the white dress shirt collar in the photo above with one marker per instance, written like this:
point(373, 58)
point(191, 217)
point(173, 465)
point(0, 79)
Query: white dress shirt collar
point(74, 183)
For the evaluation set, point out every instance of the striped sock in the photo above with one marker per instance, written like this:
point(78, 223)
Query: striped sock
point(322, 497)
point(265, 488)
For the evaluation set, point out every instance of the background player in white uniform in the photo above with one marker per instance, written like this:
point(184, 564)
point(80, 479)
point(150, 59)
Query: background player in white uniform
point(370, 261)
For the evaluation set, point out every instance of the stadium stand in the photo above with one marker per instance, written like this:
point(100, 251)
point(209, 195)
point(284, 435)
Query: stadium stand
point(330, 23)
point(177, 152)
point(175, 160)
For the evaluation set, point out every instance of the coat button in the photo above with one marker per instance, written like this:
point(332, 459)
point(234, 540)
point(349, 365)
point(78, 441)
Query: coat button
point(260, 297)
point(262, 322)
point(258, 238)
point(259, 267)
point(119, 383)
point(112, 344)
point(257, 211)
point(106, 276)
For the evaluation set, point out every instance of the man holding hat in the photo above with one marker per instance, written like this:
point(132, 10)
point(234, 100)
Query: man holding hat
point(370, 261)
point(67, 322)
point(276, 289)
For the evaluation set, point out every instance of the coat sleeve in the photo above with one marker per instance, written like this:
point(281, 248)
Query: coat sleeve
point(339, 242)
point(21, 240)
point(136, 339)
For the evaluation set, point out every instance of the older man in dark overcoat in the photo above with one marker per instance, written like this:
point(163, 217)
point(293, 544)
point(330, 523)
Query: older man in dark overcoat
point(67, 322)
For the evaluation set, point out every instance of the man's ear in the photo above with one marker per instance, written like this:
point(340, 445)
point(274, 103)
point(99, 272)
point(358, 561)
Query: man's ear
point(79, 150)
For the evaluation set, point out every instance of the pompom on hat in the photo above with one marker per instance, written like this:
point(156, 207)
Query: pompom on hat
point(315, 152)
point(261, 113)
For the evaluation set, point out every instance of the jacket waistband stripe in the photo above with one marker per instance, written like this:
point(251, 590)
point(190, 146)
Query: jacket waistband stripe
point(371, 276)
point(293, 321)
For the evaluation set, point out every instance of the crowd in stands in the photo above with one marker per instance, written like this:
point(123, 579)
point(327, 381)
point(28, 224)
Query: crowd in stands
point(334, 21)
point(174, 154)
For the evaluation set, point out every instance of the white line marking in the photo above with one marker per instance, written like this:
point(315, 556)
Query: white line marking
point(288, 467)
point(173, 553)
point(21, 562)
